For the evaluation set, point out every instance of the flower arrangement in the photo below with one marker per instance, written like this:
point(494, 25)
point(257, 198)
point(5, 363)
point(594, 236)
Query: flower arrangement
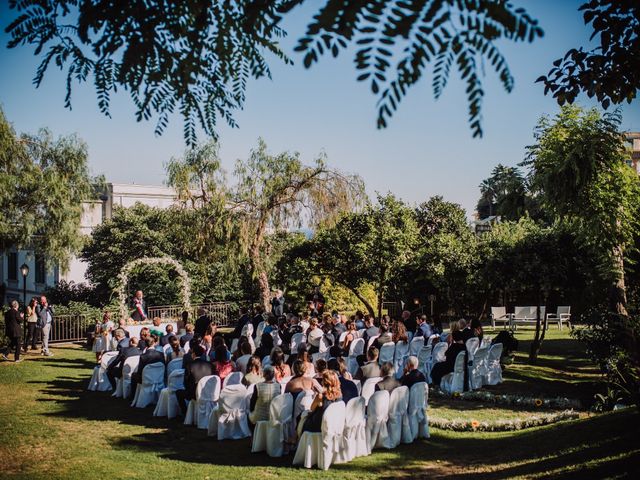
point(123, 279)
point(506, 399)
point(502, 425)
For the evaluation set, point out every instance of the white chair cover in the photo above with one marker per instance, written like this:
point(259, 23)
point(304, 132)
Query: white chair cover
point(207, 395)
point(454, 381)
point(400, 355)
point(356, 348)
point(322, 448)
point(148, 391)
point(472, 346)
point(99, 381)
point(234, 345)
point(229, 420)
point(478, 368)
point(247, 331)
point(387, 351)
point(377, 416)
point(186, 348)
point(259, 330)
point(398, 422)
point(424, 358)
point(302, 404)
point(271, 435)
point(371, 340)
point(123, 385)
point(431, 339)
point(437, 355)
point(167, 405)
point(369, 387)
point(418, 420)
point(175, 364)
point(416, 345)
point(296, 340)
point(234, 378)
point(356, 441)
point(166, 349)
point(494, 370)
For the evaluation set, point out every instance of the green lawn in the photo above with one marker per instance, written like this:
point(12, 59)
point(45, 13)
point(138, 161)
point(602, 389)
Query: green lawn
point(51, 428)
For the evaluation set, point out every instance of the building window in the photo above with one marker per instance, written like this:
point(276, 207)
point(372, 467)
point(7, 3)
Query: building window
point(13, 266)
point(41, 271)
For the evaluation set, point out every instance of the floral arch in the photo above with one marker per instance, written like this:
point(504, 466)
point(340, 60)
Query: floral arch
point(123, 280)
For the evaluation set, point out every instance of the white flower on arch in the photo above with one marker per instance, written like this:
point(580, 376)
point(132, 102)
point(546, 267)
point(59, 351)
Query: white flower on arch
point(123, 280)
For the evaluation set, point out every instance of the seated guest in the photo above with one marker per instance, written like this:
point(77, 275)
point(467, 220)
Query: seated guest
point(277, 362)
point(411, 373)
point(164, 340)
point(300, 381)
point(218, 342)
point(263, 393)
point(348, 338)
point(314, 334)
point(222, 366)
point(331, 394)
point(440, 369)
point(186, 338)
point(476, 328)
point(370, 329)
point(359, 320)
point(303, 354)
point(343, 371)
point(121, 340)
point(292, 329)
point(187, 359)
point(371, 368)
point(388, 382)
point(272, 324)
point(156, 329)
point(114, 370)
point(253, 372)
point(423, 329)
point(258, 317)
point(321, 366)
point(144, 336)
point(176, 351)
point(209, 337)
point(149, 356)
point(385, 337)
point(399, 332)
point(453, 327)
point(467, 333)
point(347, 387)
point(241, 362)
point(123, 326)
point(199, 367)
point(266, 345)
point(244, 319)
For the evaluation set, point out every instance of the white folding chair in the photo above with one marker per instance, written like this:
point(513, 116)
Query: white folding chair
point(229, 420)
point(167, 405)
point(271, 434)
point(207, 395)
point(424, 358)
point(416, 345)
point(494, 370)
point(563, 314)
point(377, 416)
point(418, 420)
point(233, 378)
point(369, 387)
point(478, 368)
point(356, 348)
point(123, 384)
point(371, 340)
point(175, 364)
point(387, 350)
point(99, 381)
point(400, 355)
point(356, 442)
point(321, 448)
point(472, 346)
point(499, 314)
point(259, 330)
point(398, 423)
point(454, 382)
point(296, 340)
point(148, 391)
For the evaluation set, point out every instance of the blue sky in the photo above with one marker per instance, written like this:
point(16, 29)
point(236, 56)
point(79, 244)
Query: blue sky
point(426, 150)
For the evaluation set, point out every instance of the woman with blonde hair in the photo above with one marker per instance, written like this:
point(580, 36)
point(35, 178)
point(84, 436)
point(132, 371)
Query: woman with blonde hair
point(453, 327)
point(399, 333)
point(330, 394)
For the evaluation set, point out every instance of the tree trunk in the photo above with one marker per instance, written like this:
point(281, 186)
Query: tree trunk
point(617, 291)
point(380, 293)
point(541, 330)
point(257, 269)
point(265, 290)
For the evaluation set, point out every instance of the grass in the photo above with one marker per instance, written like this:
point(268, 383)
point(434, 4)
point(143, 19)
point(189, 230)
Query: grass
point(51, 428)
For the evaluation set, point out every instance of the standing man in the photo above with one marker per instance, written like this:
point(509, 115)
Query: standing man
point(277, 304)
point(139, 313)
point(12, 320)
point(45, 320)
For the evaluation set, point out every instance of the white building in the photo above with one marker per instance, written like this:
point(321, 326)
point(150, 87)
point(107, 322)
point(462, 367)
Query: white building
point(95, 212)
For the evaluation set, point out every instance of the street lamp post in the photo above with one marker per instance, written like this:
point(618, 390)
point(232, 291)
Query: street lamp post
point(24, 269)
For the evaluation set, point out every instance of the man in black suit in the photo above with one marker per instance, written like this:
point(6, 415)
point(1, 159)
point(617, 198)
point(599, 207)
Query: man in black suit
point(12, 320)
point(202, 323)
point(388, 382)
point(186, 338)
point(277, 304)
point(371, 368)
point(467, 333)
point(440, 369)
point(114, 370)
point(197, 369)
point(150, 355)
point(164, 340)
point(258, 317)
point(348, 388)
point(244, 319)
point(411, 373)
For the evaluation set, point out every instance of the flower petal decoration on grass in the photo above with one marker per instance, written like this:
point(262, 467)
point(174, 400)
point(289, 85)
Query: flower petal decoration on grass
point(502, 425)
point(504, 399)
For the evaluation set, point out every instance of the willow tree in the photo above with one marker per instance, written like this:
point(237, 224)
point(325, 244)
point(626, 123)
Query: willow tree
point(578, 164)
point(270, 193)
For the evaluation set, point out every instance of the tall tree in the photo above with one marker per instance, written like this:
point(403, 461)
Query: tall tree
point(271, 193)
point(610, 71)
point(503, 193)
point(196, 57)
point(43, 184)
point(578, 163)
